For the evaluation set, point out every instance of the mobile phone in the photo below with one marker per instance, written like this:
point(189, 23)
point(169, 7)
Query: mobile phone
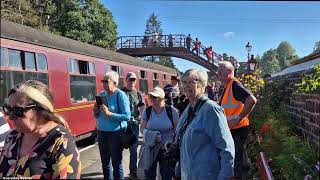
point(98, 101)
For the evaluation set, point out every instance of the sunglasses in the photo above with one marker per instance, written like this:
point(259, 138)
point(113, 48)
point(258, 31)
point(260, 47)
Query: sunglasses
point(152, 97)
point(16, 111)
point(132, 79)
point(105, 81)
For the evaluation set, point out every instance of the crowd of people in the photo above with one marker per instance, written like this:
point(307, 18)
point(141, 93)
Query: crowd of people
point(187, 129)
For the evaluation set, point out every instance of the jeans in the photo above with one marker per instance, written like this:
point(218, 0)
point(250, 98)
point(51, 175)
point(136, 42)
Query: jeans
point(165, 170)
point(241, 161)
point(109, 147)
point(133, 150)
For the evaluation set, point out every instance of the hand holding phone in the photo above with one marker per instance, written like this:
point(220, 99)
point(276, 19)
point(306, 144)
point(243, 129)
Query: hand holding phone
point(98, 101)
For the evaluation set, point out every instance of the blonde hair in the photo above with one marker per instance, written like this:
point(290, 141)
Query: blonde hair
point(38, 93)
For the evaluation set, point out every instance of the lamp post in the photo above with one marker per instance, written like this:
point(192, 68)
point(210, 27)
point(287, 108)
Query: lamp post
point(252, 63)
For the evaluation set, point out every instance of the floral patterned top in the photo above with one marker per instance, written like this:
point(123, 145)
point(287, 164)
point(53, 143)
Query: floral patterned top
point(52, 157)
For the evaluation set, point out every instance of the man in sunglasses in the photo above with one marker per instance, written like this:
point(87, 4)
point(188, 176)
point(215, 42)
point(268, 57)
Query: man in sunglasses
point(137, 105)
point(4, 130)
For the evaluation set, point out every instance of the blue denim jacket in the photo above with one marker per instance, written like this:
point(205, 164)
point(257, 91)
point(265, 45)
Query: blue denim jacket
point(207, 148)
point(120, 100)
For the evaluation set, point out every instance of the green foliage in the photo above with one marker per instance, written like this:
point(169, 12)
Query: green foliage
point(310, 83)
point(292, 156)
point(316, 47)
point(285, 54)
point(253, 82)
point(269, 63)
point(21, 11)
point(84, 20)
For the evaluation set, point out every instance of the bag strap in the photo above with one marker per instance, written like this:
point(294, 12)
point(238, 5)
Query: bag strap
point(148, 111)
point(169, 113)
point(190, 117)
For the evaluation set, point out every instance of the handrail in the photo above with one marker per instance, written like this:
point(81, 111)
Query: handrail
point(263, 167)
point(163, 41)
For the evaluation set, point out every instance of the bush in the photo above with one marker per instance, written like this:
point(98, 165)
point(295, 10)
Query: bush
point(292, 156)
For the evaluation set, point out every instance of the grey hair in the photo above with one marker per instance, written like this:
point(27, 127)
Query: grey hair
point(198, 75)
point(227, 64)
point(113, 76)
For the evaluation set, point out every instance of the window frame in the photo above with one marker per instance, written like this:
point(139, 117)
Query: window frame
point(5, 57)
point(37, 62)
point(34, 61)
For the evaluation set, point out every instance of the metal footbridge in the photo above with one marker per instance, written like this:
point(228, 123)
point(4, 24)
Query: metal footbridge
point(174, 45)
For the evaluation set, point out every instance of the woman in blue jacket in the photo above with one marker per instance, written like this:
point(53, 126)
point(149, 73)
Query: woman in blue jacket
point(112, 117)
point(206, 144)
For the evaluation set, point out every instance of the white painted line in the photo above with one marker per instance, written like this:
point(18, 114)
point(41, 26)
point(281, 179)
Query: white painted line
point(88, 147)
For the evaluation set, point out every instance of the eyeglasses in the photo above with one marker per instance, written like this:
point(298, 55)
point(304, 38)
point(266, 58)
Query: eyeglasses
point(132, 79)
point(185, 83)
point(105, 81)
point(17, 111)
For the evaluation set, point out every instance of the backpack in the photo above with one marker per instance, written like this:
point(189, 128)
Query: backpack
point(168, 110)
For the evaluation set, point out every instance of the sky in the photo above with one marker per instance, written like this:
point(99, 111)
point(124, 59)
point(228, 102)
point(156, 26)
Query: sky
point(225, 25)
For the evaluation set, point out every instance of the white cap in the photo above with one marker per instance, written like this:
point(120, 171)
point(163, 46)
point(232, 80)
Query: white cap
point(157, 92)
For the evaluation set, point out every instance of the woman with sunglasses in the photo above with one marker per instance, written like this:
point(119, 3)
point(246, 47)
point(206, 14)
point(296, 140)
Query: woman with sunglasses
point(41, 145)
point(159, 120)
point(112, 117)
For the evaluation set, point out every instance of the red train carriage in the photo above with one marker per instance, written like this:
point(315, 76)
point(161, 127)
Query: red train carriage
point(72, 70)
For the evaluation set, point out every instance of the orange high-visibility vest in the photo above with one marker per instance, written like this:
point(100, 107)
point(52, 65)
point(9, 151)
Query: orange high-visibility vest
point(233, 107)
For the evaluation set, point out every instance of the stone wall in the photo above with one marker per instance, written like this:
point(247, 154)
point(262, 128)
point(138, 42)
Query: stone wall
point(303, 109)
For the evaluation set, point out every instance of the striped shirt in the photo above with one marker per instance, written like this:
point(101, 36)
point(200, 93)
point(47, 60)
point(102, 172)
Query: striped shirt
point(4, 129)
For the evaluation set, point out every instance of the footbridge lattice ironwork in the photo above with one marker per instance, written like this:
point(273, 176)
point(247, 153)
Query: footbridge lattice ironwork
point(174, 45)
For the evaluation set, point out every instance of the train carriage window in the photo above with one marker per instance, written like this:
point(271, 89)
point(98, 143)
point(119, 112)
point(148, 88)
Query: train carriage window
point(42, 62)
point(164, 77)
point(73, 66)
point(82, 81)
point(155, 80)
point(15, 58)
point(91, 68)
point(30, 61)
point(82, 88)
point(10, 78)
point(3, 60)
point(143, 82)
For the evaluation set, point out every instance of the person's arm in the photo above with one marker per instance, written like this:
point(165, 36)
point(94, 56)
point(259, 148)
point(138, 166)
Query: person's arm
point(218, 130)
point(124, 105)
point(143, 123)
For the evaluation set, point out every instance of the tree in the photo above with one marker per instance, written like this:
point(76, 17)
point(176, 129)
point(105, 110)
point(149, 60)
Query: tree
point(100, 20)
point(285, 54)
point(21, 12)
point(153, 28)
point(269, 62)
point(84, 20)
point(316, 47)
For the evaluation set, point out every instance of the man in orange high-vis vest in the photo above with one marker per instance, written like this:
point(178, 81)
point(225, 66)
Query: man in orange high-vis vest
point(237, 103)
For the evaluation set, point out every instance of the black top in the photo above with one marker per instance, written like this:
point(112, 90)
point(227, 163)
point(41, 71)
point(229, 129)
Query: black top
point(240, 93)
